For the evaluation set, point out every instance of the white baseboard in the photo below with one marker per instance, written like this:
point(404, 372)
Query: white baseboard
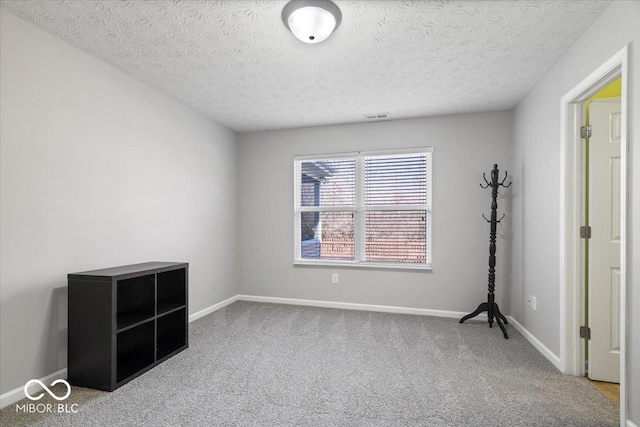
point(211, 309)
point(536, 343)
point(356, 306)
point(630, 424)
point(17, 394)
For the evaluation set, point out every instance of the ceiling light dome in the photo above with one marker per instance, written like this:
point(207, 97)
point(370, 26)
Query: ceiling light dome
point(311, 21)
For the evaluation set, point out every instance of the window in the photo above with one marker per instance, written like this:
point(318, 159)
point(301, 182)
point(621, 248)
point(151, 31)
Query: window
point(368, 208)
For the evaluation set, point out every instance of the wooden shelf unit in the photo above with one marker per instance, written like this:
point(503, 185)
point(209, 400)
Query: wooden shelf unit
point(125, 320)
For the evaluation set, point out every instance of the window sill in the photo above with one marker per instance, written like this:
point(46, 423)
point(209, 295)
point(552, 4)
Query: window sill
point(341, 264)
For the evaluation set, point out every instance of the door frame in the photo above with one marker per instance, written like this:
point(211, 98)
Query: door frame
point(572, 351)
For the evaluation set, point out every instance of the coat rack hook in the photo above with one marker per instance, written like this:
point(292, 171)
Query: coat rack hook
point(505, 178)
point(501, 218)
point(488, 220)
point(484, 176)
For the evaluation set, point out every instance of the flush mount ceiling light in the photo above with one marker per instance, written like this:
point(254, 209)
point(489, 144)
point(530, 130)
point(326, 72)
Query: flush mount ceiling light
point(311, 21)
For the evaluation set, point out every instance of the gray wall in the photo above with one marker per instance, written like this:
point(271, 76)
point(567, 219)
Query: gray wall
point(465, 146)
point(98, 170)
point(536, 205)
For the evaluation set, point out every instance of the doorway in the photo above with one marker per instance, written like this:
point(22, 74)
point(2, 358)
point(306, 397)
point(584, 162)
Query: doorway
point(577, 307)
point(602, 260)
point(601, 263)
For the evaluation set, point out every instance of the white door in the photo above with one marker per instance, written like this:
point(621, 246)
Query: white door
point(604, 245)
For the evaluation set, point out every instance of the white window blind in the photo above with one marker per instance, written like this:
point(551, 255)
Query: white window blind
point(364, 208)
point(328, 182)
point(395, 198)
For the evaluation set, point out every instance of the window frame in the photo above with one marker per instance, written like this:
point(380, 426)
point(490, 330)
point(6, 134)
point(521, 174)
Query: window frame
point(359, 210)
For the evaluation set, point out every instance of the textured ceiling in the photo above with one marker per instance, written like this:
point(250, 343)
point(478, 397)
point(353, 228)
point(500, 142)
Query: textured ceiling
point(237, 63)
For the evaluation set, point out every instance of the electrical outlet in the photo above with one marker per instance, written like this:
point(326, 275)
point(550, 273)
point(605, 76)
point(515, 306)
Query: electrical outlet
point(532, 302)
point(334, 278)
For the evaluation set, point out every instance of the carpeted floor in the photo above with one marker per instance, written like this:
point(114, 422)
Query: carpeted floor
point(254, 364)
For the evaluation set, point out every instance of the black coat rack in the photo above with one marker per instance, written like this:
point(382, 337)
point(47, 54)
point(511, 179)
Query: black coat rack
point(491, 307)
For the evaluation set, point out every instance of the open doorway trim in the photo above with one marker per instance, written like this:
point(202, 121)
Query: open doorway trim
point(571, 246)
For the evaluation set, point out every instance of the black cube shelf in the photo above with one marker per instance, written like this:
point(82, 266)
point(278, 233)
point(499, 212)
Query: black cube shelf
point(125, 320)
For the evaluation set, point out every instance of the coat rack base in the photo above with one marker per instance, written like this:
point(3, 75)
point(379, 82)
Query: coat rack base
point(492, 312)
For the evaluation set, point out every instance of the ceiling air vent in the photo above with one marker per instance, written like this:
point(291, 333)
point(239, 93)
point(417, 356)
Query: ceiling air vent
point(379, 116)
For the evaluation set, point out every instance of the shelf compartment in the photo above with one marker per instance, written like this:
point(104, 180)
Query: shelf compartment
point(131, 321)
point(164, 309)
point(135, 350)
point(171, 332)
point(172, 287)
point(135, 300)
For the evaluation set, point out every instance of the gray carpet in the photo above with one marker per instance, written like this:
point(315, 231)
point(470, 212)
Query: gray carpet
point(253, 364)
